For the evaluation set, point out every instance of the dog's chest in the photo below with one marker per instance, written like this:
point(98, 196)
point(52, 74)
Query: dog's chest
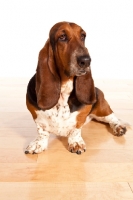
point(59, 120)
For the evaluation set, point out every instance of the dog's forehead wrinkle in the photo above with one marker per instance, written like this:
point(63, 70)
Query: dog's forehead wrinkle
point(70, 28)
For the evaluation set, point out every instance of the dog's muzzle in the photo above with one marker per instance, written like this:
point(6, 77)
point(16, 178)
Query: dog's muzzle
point(84, 64)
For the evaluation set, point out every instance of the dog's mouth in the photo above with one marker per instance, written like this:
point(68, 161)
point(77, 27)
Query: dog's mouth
point(81, 73)
point(77, 72)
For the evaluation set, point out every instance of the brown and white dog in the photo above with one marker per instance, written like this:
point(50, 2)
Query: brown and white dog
point(61, 95)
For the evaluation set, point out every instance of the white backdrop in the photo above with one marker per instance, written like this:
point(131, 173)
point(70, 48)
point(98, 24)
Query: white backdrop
point(25, 24)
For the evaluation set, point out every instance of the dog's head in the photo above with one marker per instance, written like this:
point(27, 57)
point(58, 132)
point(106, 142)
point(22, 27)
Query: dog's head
point(64, 56)
point(68, 44)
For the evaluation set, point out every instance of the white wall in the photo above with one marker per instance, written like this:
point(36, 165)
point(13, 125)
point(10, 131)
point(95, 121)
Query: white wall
point(25, 24)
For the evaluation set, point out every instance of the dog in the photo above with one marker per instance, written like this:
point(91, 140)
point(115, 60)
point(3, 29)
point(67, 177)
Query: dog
point(61, 96)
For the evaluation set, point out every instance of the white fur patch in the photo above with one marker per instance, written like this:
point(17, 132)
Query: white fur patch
point(59, 120)
point(75, 137)
point(38, 145)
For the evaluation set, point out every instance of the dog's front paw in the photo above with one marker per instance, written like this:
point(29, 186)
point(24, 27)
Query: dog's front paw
point(37, 146)
point(119, 130)
point(77, 147)
point(76, 143)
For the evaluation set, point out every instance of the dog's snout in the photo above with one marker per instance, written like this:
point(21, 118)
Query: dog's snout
point(84, 61)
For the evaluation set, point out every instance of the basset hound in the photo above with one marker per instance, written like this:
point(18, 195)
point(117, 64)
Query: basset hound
point(61, 96)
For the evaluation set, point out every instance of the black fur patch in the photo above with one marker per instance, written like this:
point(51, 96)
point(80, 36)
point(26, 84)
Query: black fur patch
point(31, 92)
point(73, 102)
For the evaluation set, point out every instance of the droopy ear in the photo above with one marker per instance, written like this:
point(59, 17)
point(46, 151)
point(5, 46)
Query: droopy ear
point(85, 90)
point(47, 79)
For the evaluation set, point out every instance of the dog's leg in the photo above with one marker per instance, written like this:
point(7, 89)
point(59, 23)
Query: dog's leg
point(102, 112)
point(118, 127)
point(40, 143)
point(76, 143)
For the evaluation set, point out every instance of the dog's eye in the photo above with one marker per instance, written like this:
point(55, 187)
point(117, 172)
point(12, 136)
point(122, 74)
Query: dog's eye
point(63, 37)
point(83, 37)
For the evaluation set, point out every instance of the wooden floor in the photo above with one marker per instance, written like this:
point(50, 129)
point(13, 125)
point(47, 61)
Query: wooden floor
point(103, 172)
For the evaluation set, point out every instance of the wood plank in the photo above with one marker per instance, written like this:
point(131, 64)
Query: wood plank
point(118, 96)
point(125, 115)
point(13, 115)
point(14, 119)
point(131, 186)
point(67, 191)
point(15, 142)
point(120, 104)
point(12, 92)
point(15, 131)
point(99, 136)
point(13, 80)
point(20, 142)
point(16, 156)
point(94, 140)
point(91, 141)
point(114, 88)
point(90, 156)
point(15, 107)
point(66, 172)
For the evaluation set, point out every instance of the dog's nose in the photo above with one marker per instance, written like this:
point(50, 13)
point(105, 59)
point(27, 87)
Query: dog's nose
point(84, 61)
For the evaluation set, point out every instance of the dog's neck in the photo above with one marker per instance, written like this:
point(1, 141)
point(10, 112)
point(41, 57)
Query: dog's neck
point(66, 89)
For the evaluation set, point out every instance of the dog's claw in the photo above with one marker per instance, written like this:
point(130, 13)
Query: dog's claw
point(78, 152)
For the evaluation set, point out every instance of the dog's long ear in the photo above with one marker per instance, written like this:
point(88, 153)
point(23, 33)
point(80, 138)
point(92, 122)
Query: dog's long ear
point(47, 79)
point(84, 88)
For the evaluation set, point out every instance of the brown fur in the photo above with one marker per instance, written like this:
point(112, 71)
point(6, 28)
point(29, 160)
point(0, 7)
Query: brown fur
point(81, 118)
point(101, 107)
point(47, 80)
point(85, 90)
